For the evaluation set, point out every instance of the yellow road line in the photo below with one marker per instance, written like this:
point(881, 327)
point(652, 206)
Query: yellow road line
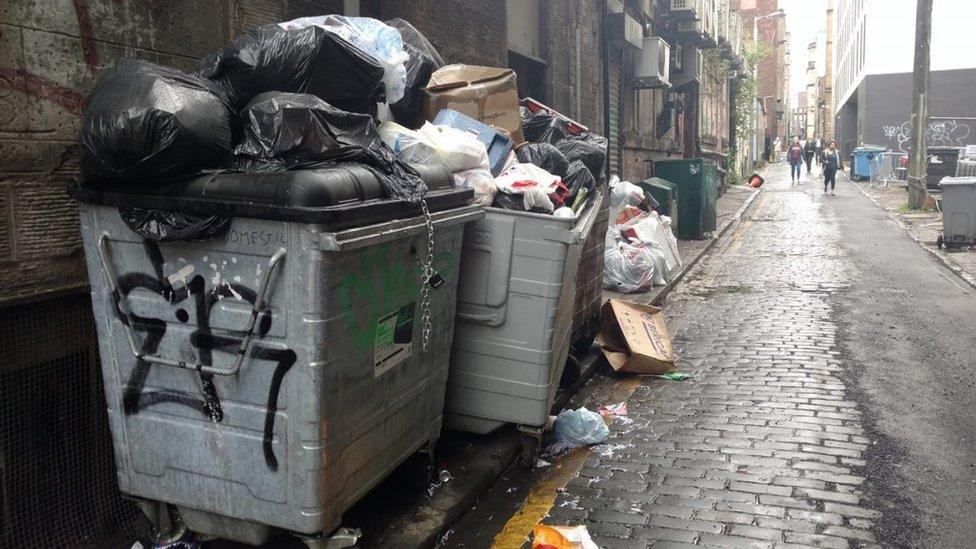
point(542, 496)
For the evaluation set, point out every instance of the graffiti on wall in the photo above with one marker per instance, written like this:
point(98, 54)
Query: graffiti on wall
point(941, 133)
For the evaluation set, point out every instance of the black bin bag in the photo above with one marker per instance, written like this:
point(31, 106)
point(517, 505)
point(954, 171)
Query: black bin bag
point(423, 60)
point(578, 177)
point(144, 123)
point(289, 130)
point(545, 156)
point(587, 147)
point(168, 226)
point(309, 60)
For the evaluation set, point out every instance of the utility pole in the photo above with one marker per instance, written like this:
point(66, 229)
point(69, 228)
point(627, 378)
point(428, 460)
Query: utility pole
point(920, 105)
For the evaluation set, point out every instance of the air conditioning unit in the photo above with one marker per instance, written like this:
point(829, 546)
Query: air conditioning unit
point(686, 8)
point(625, 32)
point(692, 63)
point(653, 64)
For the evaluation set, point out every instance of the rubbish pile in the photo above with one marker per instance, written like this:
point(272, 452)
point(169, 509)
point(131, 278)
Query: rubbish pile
point(318, 91)
point(641, 250)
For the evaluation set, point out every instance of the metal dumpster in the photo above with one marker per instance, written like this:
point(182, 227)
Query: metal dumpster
point(514, 318)
point(958, 212)
point(269, 377)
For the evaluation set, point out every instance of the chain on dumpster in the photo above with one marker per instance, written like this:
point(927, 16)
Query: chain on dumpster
point(426, 273)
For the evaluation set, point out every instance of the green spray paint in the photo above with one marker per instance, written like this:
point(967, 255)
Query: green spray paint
point(380, 280)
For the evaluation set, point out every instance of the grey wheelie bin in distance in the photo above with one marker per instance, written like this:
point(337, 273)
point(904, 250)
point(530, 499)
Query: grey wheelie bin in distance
point(514, 319)
point(266, 378)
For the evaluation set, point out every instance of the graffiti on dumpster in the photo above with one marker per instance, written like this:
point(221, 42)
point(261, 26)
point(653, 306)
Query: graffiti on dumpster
point(379, 282)
point(135, 398)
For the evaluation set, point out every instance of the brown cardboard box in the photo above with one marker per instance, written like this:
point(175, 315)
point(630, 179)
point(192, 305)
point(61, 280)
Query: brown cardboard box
point(488, 94)
point(634, 338)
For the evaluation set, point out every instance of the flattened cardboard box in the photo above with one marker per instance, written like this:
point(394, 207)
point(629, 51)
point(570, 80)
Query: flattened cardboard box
point(634, 338)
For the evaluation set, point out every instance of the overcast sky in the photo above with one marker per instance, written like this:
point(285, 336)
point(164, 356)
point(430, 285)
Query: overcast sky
point(804, 19)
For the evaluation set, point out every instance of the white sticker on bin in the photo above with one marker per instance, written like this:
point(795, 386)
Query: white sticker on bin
point(394, 334)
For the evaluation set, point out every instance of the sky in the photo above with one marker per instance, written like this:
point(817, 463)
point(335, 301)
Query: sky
point(804, 19)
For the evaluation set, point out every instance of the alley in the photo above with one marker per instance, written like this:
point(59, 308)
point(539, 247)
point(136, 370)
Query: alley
point(831, 404)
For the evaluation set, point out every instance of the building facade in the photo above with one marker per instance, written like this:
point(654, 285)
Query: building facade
point(873, 60)
point(765, 23)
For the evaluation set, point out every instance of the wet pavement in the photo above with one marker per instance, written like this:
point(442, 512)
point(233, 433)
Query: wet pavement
point(831, 404)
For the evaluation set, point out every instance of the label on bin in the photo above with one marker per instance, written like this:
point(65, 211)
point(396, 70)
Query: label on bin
point(394, 333)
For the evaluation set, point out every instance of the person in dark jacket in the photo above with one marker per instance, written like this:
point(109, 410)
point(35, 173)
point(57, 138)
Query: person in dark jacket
point(831, 163)
point(795, 155)
point(809, 150)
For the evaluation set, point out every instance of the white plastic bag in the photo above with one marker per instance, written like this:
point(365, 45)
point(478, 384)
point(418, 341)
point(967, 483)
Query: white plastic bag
point(623, 193)
point(481, 181)
point(651, 230)
point(407, 144)
point(530, 181)
point(456, 149)
point(627, 268)
point(377, 39)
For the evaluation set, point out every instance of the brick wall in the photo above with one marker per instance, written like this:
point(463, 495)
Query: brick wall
point(51, 54)
point(772, 70)
point(463, 31)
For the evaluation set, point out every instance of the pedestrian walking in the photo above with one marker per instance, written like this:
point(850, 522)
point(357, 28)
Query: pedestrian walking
point(818, 145)
point(809, 150)
point(831, 163)
point(795, 156)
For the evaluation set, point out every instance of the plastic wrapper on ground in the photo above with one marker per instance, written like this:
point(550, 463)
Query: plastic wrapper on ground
point(166, 226)
point(308, 60)
point(580, 427)
point(285, 130)
point(144, 123)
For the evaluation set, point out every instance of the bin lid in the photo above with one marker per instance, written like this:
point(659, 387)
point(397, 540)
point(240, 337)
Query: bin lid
point(339, 197)
point(869, 149)
point(950, 181)
point(660, 183)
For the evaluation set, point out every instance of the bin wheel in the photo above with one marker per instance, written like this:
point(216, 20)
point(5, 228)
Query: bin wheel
point(940, 242)
point(420, 467)
point(571, 372)
point(530, 450)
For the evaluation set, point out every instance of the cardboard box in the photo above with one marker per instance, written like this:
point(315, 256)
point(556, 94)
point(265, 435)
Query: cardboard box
point(634, 338)
point(487, 94)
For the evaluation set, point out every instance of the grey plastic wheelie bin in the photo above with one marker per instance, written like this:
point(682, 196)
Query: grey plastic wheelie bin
point(514, 319)
point(267, 378)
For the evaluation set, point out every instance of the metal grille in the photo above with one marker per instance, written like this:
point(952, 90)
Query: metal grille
point(57, 472)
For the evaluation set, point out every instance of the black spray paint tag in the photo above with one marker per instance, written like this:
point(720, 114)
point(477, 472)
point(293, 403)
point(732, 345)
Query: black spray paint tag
point(394, 333)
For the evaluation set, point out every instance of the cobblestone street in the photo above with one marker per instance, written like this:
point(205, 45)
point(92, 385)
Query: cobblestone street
point(766, 446)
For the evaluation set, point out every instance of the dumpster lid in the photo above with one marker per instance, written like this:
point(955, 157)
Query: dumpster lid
point(659, 182)
point(339, 197)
